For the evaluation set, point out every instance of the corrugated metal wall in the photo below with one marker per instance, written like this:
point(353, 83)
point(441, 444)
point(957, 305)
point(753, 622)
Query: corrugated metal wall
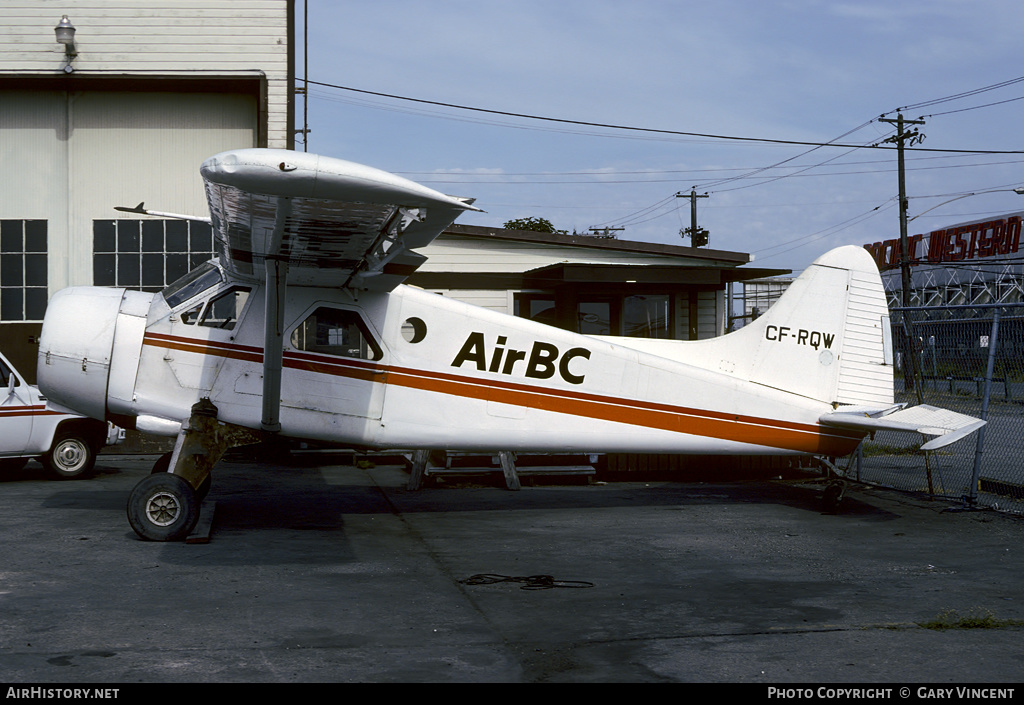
point(156, 87)
point(157, 38)
point(69, 158)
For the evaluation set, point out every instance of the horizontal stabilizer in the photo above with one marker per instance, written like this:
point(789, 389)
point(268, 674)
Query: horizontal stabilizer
point(947, 426)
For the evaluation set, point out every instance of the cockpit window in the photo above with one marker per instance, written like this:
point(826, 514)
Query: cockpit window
point(5, 375)
point(195, 282)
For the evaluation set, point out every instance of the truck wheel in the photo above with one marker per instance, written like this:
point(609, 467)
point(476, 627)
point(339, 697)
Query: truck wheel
point(163, 507)
point(71, 456)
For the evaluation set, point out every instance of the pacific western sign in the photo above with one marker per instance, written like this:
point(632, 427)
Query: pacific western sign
point(989, 238)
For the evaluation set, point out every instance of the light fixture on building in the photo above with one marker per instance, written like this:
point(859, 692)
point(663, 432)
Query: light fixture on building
point(65, 32)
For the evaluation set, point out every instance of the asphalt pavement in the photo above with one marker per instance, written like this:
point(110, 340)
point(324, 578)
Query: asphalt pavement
point(318, 570)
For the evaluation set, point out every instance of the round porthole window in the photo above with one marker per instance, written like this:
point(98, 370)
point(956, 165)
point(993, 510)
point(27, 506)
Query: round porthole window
point(414, 330)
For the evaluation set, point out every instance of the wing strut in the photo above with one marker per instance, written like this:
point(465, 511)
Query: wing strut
point(273, 321)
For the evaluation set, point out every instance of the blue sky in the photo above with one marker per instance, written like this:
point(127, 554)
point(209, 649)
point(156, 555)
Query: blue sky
point(796, 70)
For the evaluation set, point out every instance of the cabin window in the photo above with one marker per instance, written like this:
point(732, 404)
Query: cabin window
point(414, 330)
point(23, 270)
point(191, 315)
point(221, 312)
point(224, 311)
point(335, 331)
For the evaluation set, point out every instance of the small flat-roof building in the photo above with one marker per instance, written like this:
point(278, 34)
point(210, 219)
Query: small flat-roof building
point(590, 285)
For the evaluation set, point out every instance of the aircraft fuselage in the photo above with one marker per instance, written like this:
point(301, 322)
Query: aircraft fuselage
point(411, 369)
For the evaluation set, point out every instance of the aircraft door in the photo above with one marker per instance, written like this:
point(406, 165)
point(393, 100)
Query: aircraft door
point(208, 326)
point(333, 364)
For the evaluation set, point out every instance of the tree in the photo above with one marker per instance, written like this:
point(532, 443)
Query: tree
point(535, 225)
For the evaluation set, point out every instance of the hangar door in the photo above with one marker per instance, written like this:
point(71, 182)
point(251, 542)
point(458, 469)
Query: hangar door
point(74, 155)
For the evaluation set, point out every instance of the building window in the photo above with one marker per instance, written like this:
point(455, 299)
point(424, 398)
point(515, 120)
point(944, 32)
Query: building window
point(148, 254)
point(596, 318)
point(23, 277)
point(646, 316)
point(536, 307)
point(631, 315)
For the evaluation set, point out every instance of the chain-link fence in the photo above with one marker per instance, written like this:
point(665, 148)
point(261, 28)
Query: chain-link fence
point(968, 359)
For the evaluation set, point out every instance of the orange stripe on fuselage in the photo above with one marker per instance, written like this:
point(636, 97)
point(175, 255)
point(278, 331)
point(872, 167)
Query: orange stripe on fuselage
point(12, 411)
point(784, 435)
point(204, 347)
point(804, 438)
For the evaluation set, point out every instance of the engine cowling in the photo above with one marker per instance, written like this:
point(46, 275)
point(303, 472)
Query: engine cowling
point(87, 332)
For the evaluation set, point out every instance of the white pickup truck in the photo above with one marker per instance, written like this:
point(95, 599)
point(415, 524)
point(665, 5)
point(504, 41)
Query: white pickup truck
point(31, 428)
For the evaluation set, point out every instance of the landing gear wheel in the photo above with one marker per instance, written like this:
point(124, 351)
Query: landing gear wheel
point(71, 456)
point(833, 495)
point(163, 507)
point(163, 464)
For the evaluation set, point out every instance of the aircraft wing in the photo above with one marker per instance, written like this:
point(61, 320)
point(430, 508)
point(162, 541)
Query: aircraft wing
point(947, 426)
point(328, 221)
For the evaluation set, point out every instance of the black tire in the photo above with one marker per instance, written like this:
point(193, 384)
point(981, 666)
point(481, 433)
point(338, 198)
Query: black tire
point(71, 456)
point(163, 507)
point(833, 497)
point(163, 464)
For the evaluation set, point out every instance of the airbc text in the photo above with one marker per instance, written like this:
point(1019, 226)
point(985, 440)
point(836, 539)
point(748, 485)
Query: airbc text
point(799, 336)
point(542, 361)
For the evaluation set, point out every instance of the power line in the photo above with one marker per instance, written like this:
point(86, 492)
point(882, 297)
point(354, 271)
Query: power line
point(976, 107)
point(831, 230)
point(663, 207)
point(647, 130)
point(786, 161)
point(958, 96)
point(457, 177)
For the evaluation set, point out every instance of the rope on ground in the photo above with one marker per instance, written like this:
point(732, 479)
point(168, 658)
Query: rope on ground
point(530, 582)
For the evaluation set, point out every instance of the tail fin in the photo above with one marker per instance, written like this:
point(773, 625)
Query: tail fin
point(828, 336)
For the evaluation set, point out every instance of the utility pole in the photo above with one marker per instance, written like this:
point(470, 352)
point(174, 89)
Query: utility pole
point(605, 232)
point(698, 236)
point(901, 137)
point(914, 137)
point(303, 90)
